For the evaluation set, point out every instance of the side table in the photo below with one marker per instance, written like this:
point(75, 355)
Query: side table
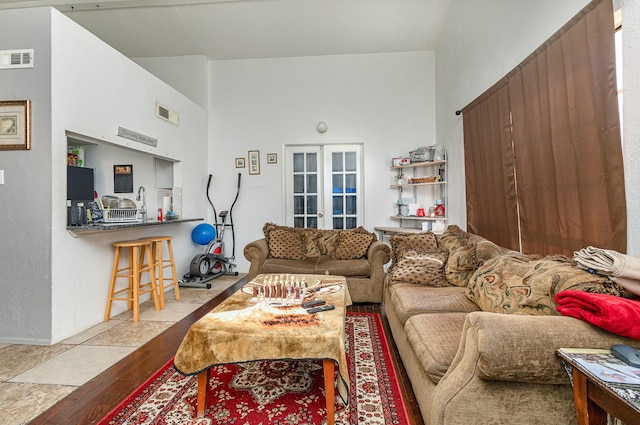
point(593, 396)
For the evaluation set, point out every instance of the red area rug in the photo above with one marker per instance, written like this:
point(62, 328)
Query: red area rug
point(277, 392)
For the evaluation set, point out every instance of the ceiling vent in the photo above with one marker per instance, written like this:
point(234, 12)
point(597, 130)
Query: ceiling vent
point(10, 59)
point(167, 114)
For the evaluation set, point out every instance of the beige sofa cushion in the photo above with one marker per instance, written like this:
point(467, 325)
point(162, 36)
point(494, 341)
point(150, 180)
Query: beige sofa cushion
point(409, 299)
point(435, 339)
point(281, 266)
point(421, 269)
point(309, 237)
point(514, 283)
point(357, 267)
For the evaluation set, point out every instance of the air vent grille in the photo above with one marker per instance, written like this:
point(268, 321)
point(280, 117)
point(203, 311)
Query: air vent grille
point(11, 59)
point(167, 114)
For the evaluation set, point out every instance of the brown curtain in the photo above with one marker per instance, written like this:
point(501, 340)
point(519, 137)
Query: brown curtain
point(566, 141)
point(489, 169)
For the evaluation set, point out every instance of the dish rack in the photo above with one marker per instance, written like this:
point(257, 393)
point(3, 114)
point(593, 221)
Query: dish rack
point(119, 215)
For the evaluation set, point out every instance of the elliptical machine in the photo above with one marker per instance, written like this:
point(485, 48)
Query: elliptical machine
point(213, 263)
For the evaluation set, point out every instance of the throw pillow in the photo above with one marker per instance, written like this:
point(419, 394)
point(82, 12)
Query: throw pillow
point(310, 237)
point(351, 245)
point(286, 244)
point(515, 283)
point(420, 269)
point(463, 259)
point(425, 242)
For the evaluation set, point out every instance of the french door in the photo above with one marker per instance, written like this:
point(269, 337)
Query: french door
point(323, 186)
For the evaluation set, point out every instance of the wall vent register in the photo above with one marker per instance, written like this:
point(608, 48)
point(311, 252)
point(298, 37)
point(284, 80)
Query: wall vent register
point(11, 59)
point(167, 114)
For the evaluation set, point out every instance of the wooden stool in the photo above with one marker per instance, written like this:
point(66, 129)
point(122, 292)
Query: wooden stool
point(137, 250)
point(161, 263)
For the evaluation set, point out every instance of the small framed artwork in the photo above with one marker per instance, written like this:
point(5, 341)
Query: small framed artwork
point(15, 125)
point(254, 162)
point(272, 158)
point(239, 162)
point(123, 178)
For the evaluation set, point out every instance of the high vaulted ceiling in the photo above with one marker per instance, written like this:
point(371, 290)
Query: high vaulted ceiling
point(238, 29)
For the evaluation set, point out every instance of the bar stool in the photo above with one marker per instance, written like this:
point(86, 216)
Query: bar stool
point(161, 263)
point(137, 250)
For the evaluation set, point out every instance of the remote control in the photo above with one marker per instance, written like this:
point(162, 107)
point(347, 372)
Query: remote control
point(313, 303)
point(325, 307)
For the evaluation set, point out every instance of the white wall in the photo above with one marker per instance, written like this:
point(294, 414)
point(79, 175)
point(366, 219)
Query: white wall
point(187, 74)
point(25, 197)
point(385, 101)
point(58, 283)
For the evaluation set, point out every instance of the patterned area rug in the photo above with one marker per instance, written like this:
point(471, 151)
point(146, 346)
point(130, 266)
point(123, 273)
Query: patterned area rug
point(277, 392)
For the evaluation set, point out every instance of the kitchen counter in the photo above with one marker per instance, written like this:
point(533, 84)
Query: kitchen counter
point(108, 227)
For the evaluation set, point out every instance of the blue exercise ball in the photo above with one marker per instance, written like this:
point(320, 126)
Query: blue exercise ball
point(203, 233)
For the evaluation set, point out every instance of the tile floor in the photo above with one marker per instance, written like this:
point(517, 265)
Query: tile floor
point(35, 377)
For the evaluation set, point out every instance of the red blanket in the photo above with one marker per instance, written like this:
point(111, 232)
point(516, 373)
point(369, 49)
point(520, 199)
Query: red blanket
point(618, 315)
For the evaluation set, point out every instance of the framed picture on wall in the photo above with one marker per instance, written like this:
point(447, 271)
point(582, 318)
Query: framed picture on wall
point(254, 162)
point(272, 158)
point(15, 125)
point(239, 162)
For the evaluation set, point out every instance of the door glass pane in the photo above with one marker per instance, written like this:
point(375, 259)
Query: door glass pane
point(337, 186)
point(312, 183)
point(336, 161)
point(298, 183)
point(298, 222)
point(338, 207)
point(298, 204)
point(312, 204)
point(351, 205)
point(312, 222)
point(351, 223)
point(312, 162)
point(350, 180)
point(298, 162)
point(338, 223)
point(350, 161)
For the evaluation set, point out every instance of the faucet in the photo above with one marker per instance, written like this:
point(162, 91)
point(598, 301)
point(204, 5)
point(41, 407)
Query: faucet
point(142, 194)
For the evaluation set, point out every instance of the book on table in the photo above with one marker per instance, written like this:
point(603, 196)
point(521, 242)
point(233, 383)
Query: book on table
point(603, 365)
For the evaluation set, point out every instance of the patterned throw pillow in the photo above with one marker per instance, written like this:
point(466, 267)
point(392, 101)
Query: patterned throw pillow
point(351, 245)
point(515, 283)
point(463, 259)
point(421, 269)
point(309, 236)
point(424, 243)
point(286, 244)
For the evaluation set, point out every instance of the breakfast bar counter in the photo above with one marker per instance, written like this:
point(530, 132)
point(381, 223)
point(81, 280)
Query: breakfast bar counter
point(87, 229)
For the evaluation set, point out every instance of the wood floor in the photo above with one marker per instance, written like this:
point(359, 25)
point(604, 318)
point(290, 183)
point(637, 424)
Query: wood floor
point(92, 401)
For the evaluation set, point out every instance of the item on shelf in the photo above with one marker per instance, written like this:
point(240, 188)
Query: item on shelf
point(400, 161)
point(422, 154)
point(432, 212)
point(439, 209)
point(439, 153)
point(418, 180)
point(420, 212)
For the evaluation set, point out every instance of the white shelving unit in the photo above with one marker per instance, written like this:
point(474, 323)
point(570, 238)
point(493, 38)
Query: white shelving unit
point(420, 192)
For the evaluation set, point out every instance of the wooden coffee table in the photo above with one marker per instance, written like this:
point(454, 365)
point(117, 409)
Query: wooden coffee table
point(241, 330)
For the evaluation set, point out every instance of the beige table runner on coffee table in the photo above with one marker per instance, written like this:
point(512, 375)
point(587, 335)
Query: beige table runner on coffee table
point(242, 330)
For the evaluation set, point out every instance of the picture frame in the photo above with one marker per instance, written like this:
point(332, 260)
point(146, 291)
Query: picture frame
point(123, 178)
point(240, 163)
point(272, 158)
point(254, 162)
point(15, 125)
